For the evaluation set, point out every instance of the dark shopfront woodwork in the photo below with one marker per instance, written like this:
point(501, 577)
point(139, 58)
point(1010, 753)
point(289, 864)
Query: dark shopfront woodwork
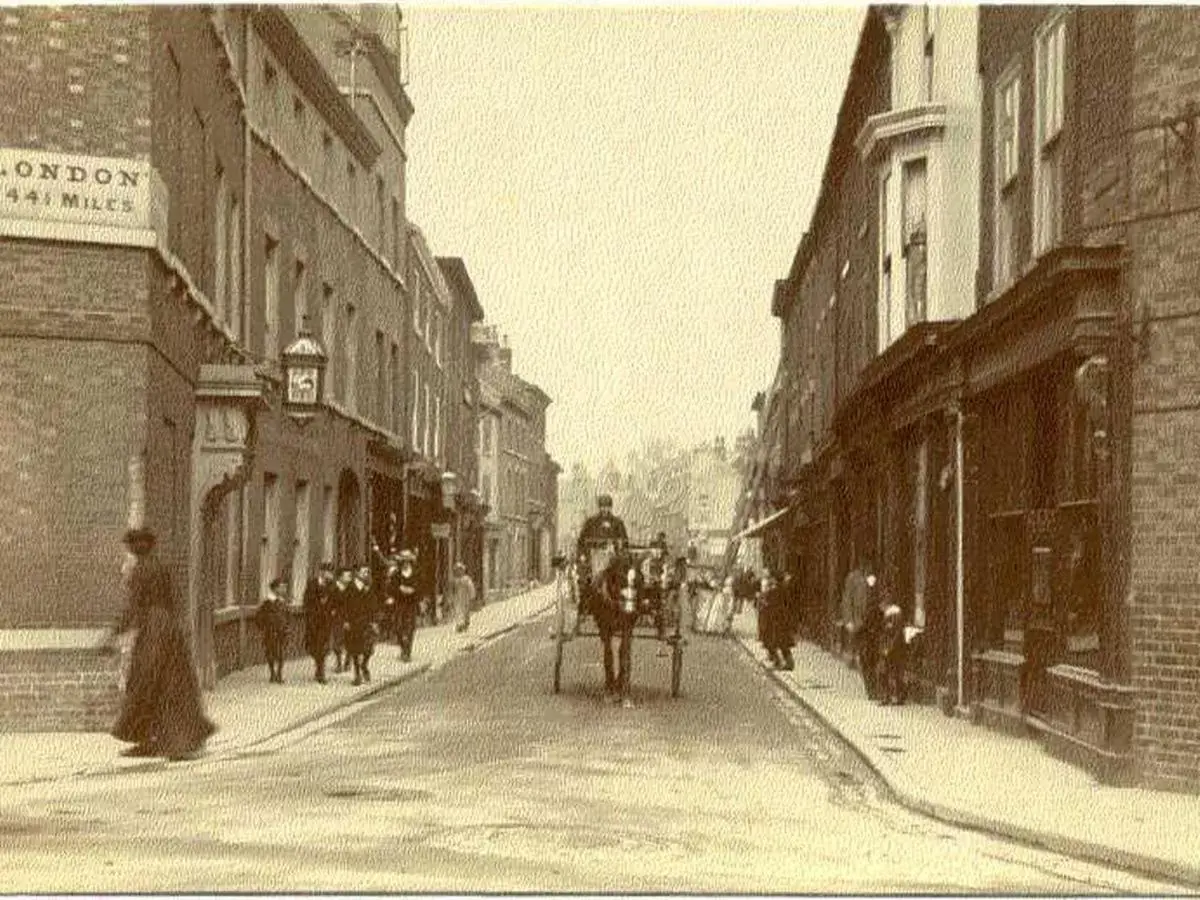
point(1038, 392)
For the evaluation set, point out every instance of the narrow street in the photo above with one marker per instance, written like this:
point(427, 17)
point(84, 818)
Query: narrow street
point(479, 778)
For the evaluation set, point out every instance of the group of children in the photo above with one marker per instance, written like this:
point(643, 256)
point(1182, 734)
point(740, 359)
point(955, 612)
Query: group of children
point(882, 640)
point(346, 610)
point(881, 645)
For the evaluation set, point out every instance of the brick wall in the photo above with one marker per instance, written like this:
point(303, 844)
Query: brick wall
point(71, 383)
point(76, 79)
point(61, 690)
point(1164, 597)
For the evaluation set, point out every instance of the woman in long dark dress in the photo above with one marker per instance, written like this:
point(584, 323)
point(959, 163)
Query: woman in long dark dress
point(161, 712)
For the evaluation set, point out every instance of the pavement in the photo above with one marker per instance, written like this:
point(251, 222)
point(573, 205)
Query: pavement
point(251, 713)
point(965, 774)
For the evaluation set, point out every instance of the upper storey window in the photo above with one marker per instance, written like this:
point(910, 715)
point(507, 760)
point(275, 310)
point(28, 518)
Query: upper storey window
point(1047, 158)
point(1008, 115)
point(270, 92)
point(929, 18)
point(914, 241)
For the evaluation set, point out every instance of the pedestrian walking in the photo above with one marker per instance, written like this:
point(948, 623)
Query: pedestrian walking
point(361, 611)
point(462, 596)
point(389, 611)
point(320, 617)
point(337, 634)
point(407, 603)
point(161, 710)
point(775, 626)
point(272, 620)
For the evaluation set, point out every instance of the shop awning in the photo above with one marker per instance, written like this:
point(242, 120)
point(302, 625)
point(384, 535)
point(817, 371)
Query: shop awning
point(762, 524)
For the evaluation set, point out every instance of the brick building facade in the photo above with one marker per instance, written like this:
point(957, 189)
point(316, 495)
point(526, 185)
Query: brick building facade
point(463, 411)
point(516, 472)
point(185, 188)
point(1017, 469)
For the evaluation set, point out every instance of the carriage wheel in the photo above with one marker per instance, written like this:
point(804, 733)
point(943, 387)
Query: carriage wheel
point(676, 666)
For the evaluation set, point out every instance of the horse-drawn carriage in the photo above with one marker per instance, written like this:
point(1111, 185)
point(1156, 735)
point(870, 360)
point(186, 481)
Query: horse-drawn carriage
point(627, 593)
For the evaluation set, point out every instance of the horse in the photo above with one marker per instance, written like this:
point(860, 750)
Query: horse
point(612, 602)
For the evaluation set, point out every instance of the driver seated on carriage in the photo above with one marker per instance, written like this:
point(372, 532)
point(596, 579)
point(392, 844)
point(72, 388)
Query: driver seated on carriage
point(602, 537)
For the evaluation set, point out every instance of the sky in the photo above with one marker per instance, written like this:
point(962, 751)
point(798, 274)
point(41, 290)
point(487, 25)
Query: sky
point(625, 185)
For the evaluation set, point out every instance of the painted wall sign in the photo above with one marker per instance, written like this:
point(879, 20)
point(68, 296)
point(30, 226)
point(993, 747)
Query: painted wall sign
point(40, 192)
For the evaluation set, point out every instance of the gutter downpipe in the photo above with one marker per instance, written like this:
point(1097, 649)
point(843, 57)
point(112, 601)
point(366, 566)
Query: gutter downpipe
point(959, 602)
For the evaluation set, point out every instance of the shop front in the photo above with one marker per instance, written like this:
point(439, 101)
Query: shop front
point(1047, 625)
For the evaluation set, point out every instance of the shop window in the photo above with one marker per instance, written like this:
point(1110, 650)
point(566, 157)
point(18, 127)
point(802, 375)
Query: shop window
point(920, 530)
point(1082, 583)
point(1043, 437)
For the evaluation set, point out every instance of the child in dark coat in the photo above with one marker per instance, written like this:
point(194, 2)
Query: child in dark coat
point(320, 617)
point(272, 620)
point(775, 625)
point(893, 651)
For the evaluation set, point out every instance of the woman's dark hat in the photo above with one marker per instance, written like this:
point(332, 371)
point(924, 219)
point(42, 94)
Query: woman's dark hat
point(139, 538)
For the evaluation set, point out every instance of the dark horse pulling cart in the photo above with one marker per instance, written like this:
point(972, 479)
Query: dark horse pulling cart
point(628, 593)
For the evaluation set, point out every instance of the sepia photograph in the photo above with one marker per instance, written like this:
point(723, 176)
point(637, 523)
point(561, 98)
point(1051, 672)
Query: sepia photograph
point(556, 448)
